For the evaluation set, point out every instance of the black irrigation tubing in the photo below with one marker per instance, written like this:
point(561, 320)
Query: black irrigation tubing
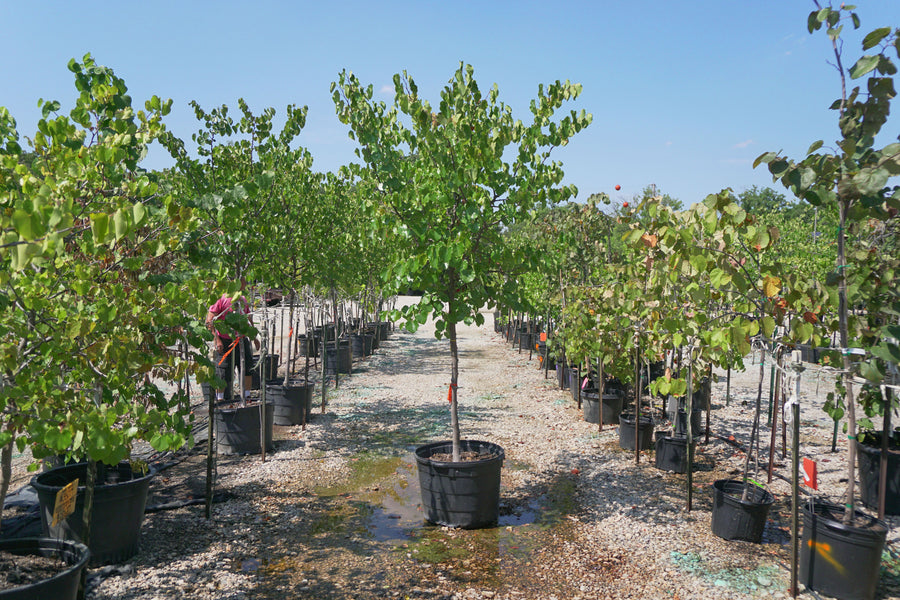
point(217, 498)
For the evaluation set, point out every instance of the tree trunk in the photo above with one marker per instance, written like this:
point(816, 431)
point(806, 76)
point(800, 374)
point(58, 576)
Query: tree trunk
point(846, 376)
point(454, 380)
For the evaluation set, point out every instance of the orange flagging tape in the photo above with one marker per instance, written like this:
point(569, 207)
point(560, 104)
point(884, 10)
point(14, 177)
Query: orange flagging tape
point(290, 333)
point(450, 393)
point(230, 348)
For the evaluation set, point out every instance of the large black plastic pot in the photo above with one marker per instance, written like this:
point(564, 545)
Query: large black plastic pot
point(525, 341)
point(337, 360)
point(696, 422)
point(671, 453)
point(462, 494)
point(590, 406)
point(237, 429)
point(574, 381)
point(840, 560)
point(373, 331)
point(808, 354)
point(361, 344)
point(735, 519)
point(120, 497)
point(272, 362)
point(869, 461)
point(307, 346)
point(384, 330)
point(290, 401)
point(63, 585)
point(626, 432)
point(562, 376)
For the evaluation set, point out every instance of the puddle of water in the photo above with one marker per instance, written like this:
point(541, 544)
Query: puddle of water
point(381, 502)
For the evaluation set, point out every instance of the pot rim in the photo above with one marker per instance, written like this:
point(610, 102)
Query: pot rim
point(500, 453)
point(768, 498)
point(151, 471)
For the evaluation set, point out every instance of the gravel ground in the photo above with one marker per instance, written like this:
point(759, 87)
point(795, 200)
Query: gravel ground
point(332, 512)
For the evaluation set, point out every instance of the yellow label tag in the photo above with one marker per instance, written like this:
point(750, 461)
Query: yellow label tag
point(65, 502)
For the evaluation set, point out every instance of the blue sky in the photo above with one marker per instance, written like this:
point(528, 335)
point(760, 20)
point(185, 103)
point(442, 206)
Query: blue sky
point(684, 95)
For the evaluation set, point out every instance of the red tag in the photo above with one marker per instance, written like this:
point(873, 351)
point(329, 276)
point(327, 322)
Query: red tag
point(290, 333)
point(544, 336)
point(809, 474)
point(450, 394)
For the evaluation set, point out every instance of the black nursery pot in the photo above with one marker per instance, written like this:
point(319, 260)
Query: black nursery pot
point(237, 429)
point(591, 405)
point(671, 453)
point(626, 432)
point(63, 585)
point(696, 422)
point(361, 344)
point(869, 460)
point(120, 497)
point(462, 494)
point(337, 360)
point(840, 560)
point(562, 376)
point(735, 519)
point(290, 401)
point(272, 362)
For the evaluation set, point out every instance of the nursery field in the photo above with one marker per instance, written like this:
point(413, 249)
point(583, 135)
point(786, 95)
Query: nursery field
point(335, 510)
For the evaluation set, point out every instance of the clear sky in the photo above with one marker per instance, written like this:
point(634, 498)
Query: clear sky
point(685, 95)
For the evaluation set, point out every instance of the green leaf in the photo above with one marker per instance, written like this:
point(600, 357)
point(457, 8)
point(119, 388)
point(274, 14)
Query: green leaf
point(23, 222)
point(873, 38)
point(121, 225)
point(815, 146)
point(768, 326)
point(765, 157)
point(139, 211)
point(864, 65)
point(99, 226)
point(870, 370)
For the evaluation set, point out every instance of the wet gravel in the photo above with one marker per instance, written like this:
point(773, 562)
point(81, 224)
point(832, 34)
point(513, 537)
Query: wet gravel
point(333, 513)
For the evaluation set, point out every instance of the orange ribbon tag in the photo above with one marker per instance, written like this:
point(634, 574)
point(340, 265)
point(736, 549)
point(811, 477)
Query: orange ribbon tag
point(450, 393)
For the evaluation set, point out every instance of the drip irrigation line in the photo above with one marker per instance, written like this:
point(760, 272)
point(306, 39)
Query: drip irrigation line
point(217, 498)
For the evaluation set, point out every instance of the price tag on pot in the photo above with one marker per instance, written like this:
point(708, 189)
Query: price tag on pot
point(65, 502)
point(810, 473)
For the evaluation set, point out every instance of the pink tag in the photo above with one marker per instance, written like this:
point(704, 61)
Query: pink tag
point(584, 383)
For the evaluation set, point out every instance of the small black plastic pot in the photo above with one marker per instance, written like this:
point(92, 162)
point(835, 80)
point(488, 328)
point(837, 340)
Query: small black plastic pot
point(736, 519)
point(626, 432)
point(463, 494)
point(840, 560)
point(237, 429)
point(120, 497)
point(63, 585)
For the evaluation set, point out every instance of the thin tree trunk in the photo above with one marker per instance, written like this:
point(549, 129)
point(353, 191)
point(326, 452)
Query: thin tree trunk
point(846, 375)
point(454, 381)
